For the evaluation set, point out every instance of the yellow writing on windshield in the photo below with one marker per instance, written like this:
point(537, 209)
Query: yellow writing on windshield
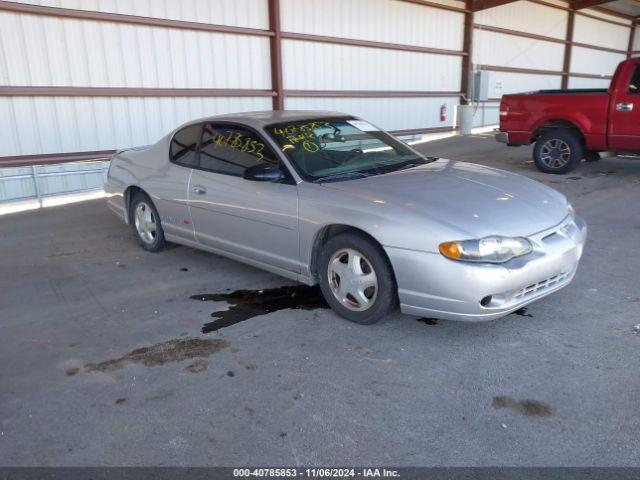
point(303, 134)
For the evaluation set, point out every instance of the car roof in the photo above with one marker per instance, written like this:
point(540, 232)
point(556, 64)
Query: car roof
point(268, 117)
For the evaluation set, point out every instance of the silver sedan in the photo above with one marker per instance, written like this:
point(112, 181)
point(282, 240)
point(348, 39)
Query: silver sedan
point(323, 197)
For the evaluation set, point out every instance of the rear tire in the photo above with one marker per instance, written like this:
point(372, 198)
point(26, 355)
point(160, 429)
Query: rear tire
point(356, 278)
point(558, 151)
point(146, 224)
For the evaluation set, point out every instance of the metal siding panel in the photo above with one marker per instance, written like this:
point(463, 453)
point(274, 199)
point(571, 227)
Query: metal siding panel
point(378, 20)
point(491, 48)
point(578, 82)
point(105, 54)
point(40, 125)
point(387, 113)
point(239, 13)
point(600, 14)
point(320, 66)
point(501, 83)
point(486, 114)
point(19, 183)
point(587, 60)
point(526, 17)
point(594, 32)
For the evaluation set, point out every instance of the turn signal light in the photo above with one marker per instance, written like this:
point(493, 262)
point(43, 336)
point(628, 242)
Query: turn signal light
point(451, 250)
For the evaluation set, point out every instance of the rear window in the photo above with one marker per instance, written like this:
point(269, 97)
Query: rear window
point(184, 146)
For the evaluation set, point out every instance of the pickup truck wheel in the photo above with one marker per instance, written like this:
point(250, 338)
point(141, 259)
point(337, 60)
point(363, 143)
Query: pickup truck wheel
point(356, 278)
point(558, 151)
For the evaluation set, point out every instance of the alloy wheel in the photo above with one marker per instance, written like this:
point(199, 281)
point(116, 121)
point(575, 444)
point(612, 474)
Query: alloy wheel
point(352, 279)
point(555, 153)
point(145, 222)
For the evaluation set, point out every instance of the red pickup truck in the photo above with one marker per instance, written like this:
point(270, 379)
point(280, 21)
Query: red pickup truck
point(569, 125)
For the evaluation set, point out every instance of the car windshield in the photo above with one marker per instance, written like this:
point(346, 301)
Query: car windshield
point(341, 149)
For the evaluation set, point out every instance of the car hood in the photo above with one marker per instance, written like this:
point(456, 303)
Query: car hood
point(472, 199)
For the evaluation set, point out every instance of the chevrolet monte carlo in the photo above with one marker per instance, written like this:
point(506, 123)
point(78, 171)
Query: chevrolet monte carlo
point(324, 197)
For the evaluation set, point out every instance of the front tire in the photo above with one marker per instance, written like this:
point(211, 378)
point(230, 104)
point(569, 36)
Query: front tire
point(558, 151)
point(356, 278)
point(146, 224)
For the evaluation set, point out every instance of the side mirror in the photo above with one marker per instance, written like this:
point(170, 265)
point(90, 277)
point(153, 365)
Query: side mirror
point(263, 172)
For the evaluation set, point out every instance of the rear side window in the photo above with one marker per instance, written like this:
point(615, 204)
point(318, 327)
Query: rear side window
point(230, 150)
point(184, 146)
point(634, 84)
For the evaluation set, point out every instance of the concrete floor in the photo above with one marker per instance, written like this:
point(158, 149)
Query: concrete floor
point(559, 386)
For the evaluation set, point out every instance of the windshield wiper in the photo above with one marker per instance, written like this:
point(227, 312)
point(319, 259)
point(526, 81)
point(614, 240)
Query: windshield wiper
point(342, 176)
point(414, 162)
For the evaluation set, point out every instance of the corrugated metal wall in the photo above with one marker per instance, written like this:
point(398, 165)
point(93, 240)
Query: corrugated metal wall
point(320, 66)
point(39, 125)
point(496, 49)
point(50, 51)
point(588, 60)
point(239, 13)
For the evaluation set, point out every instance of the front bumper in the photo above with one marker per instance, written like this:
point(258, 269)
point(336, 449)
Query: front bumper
point(430, 285)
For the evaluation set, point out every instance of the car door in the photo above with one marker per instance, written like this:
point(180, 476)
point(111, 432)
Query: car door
point(169, 186)
point(255, 220)
point(624, 118)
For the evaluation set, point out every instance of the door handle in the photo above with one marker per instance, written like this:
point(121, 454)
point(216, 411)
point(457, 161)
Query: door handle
point(624, 107)
point(199, 190)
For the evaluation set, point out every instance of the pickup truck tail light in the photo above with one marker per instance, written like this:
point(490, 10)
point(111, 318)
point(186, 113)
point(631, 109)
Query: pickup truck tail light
point(504, 112)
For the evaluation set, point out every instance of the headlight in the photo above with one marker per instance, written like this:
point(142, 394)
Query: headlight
point(489, 249)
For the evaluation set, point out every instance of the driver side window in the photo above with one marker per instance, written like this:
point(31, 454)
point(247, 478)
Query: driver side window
point(230, 150)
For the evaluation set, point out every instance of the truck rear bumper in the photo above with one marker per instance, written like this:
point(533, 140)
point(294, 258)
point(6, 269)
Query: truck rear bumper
point(502, 137)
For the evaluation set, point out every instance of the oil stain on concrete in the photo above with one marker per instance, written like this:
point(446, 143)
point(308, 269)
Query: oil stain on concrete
point(161, 353)
point(246, 304)
point(530, 408)
point(196, 367)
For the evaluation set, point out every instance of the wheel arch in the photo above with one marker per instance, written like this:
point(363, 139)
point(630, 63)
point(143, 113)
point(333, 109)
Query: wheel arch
point(556, 124)
point(331, 230)
point(129, 193)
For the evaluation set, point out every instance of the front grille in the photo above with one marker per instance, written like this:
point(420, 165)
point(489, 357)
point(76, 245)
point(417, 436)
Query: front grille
point(540, 286)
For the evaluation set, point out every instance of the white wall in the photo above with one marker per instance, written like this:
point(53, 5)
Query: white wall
point(387, 113)
point(491, 48)
point(49, 51)
point(239, 13)
point(597, 62)
point(322, 66)
point(579, 82)
point(526, 17)
point(309, 65)
point(389, 21)
point(38, 125)
point(595, 32)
